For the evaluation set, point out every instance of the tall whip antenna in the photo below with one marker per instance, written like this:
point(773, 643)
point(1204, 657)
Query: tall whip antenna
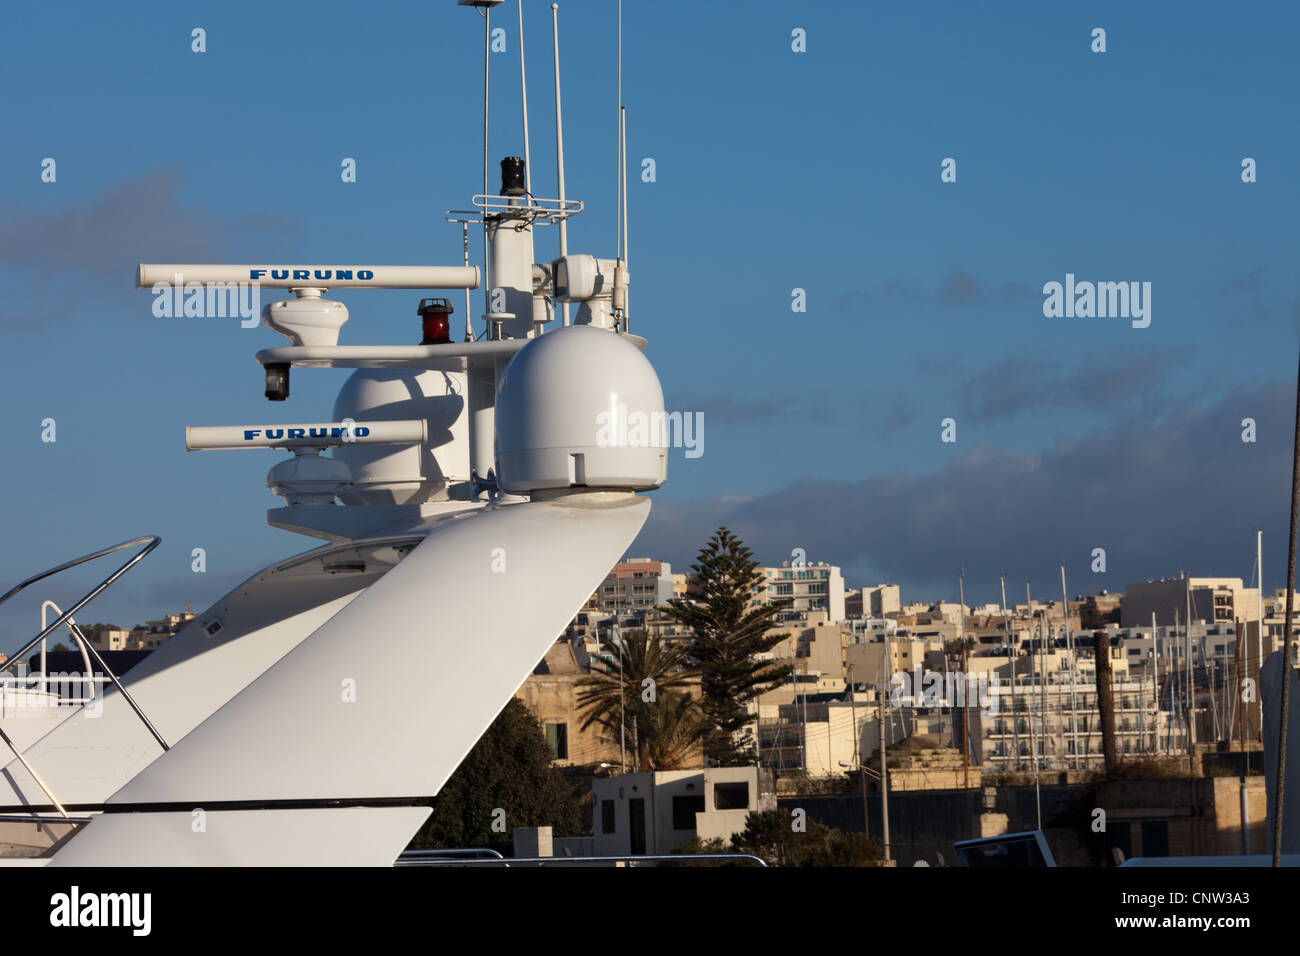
point(559, 136)
point(487, 254)
point(623, 169)
point(523, 92)
point(618, 184)
point(620, 201)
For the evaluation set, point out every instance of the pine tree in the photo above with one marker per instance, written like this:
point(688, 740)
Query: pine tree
point(729, 631)
point(509, 769)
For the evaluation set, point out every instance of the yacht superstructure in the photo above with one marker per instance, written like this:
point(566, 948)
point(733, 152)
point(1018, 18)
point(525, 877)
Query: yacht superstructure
point(469, 501)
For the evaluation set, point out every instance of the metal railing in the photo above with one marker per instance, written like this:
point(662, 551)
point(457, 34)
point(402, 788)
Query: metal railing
point(423, 857)
point(65, 617)
point(631, 859)
point(16, 690)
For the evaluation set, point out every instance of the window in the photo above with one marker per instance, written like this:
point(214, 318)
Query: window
point(1155, 838)
point(557, 738)
point(607, 816)
point(731, 796)
point(1120, 836)
point(684, 810)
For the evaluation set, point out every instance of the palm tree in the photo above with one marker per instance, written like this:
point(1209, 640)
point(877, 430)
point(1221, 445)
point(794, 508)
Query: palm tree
point(627, 692)
point(672, 727)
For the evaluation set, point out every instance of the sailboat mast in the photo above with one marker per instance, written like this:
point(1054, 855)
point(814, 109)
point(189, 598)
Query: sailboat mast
point(1069, 647)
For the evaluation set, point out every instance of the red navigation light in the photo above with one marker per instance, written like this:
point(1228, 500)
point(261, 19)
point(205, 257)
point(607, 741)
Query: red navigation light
point(436, 317)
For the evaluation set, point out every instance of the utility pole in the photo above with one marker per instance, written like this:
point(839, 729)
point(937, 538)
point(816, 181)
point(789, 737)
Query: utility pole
point(622, 696)
point(1259, 614)
point(965, 746)
point(857, 752)
point(794, 699)
point(1191, 679)
point(1245, 754)
point(1288, 662)
point(884, 758)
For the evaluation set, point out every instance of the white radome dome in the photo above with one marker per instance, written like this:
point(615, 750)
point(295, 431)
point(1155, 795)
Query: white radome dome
point(404, 474)
point(580, 407)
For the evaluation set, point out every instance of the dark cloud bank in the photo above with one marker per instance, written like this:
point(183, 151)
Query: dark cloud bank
point(1181, 492)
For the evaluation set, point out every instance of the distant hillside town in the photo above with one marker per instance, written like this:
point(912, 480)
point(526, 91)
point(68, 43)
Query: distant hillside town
point(990, 717)
point(838, 639)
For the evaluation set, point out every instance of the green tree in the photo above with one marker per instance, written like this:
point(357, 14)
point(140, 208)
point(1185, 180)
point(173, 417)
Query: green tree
point(770, 834)
point(509, 769)
point(670, 729)
point(658, 726)
point(729, 632)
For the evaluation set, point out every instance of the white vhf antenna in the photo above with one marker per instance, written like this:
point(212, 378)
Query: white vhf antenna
point(485, 8)
point(523, 93)
point(620, 200)
point(559, 138)
point(487, 70)
point(618, 180)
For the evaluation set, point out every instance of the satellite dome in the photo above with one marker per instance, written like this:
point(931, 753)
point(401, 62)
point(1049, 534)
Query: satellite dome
point(580, 407)
point(404, 474)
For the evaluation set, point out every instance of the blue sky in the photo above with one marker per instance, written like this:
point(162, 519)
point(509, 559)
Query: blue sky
point(775, 170)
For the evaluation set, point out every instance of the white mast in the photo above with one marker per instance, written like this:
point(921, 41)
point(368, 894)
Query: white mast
point(1033, 718)
point(618, 183)
point(487, 70)
point(1155, 682)
point(1006, 625)
point(1069, 645)
point(620, 201)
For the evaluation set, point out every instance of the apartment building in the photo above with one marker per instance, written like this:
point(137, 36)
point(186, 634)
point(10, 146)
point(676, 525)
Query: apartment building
point(809, 587)
point(1219, 600)
point(656, 812)
point(152, 634)
point(635, 584)
point(880, 601)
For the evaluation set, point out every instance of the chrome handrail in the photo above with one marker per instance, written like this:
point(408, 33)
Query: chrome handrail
point(85, 659)
point(87, 646)
point(34, 775)
point(66, 617)
point(153, 540)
